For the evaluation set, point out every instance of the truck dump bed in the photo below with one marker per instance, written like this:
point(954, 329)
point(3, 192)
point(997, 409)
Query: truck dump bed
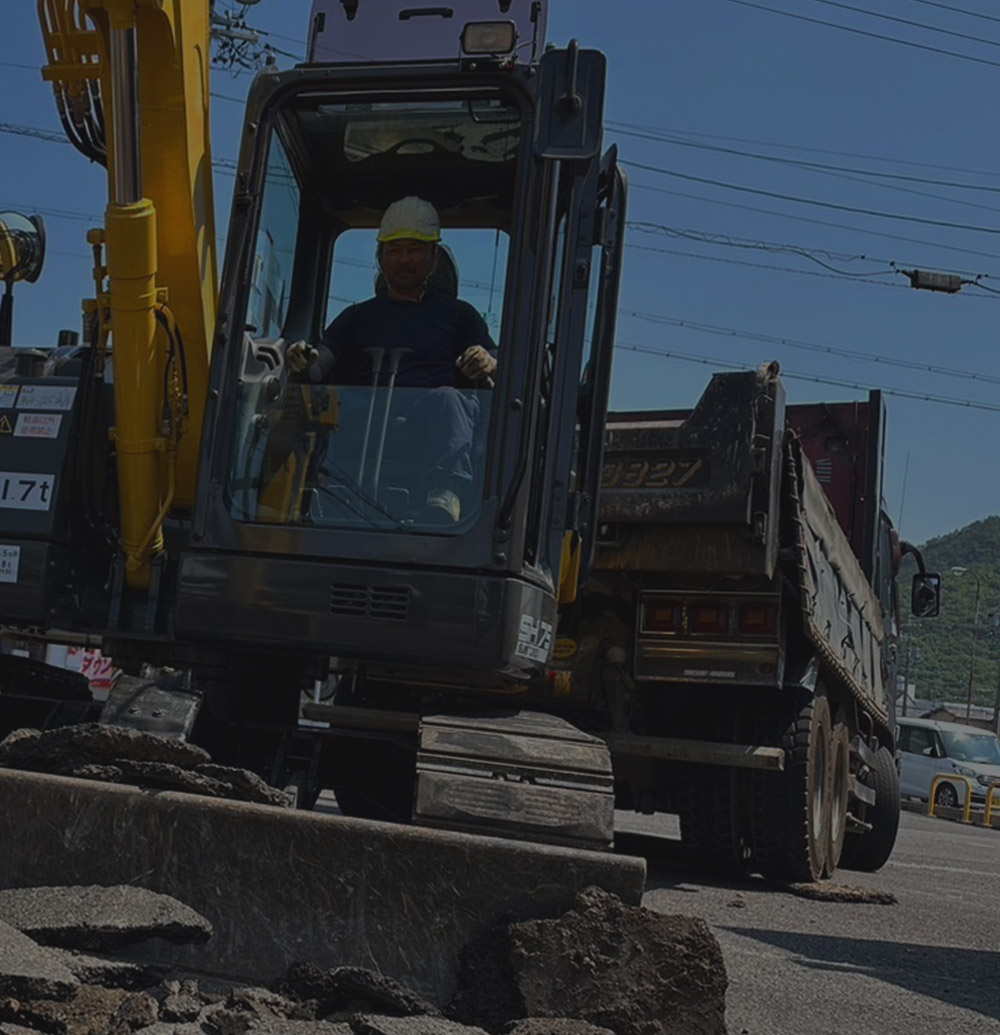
point(728, 489)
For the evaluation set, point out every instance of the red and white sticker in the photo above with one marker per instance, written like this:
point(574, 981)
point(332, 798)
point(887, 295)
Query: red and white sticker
point(38, 425)
point(99, 670)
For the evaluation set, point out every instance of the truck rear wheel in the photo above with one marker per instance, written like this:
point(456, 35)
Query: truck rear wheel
point(791, 822)
point(870, 851)
point(712, 830)
point(840, 781)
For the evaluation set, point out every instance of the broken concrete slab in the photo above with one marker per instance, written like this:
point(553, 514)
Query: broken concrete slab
point(367, 1024)
point(109, 971)
point(358, 890)
point(613, 965)
point(69, 747)
point(353, 988)
point(94, 917)
point(28, 971)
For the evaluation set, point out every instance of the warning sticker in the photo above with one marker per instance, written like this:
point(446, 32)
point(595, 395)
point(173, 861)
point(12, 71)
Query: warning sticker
point(6, 428)
point(8, 396)
point(38, 425)
point(46, 397)
point(10, 559)
point(21, 491)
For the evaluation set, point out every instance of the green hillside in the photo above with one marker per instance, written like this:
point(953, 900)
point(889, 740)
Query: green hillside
point(938, 650)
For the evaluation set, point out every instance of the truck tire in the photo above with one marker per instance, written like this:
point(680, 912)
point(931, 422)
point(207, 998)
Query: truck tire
point(840, 780)
point(870, 851)
point(711, 826)
point(791, 809)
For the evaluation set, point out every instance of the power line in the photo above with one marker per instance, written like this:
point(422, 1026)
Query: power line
point(865, 32)
point(957, 10)
point(791, 375)
point(818, 166)
point(853, 279)
point(907, 21)
point(812, 201)
point(730, 241)
point(871, 232)
point(626, 127)
point(809, 346)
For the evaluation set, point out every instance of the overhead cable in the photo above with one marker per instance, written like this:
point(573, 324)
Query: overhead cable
point(812, 201)
point(791, 375)
point(865, 32)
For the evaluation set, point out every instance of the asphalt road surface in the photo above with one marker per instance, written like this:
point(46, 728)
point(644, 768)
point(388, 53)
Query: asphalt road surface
point(927, 965)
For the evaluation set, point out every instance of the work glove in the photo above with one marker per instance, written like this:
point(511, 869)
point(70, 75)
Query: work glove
point(299, 356)
point(476, 363)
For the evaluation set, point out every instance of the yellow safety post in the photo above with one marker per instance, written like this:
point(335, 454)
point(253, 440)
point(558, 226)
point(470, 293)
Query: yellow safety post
point(941, 778)
point(988, 817)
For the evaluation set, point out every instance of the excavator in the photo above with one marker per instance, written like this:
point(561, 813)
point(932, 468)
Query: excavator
point(661, 612)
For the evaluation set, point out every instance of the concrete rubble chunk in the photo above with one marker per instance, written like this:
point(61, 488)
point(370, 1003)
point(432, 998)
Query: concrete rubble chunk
point(353, 989)
point(555, 1026)
point(9, 1028)
point(246, 785)
point(28, 971)
point(89, 1011)
point(375, 1025)
point(615, 966)
point(135, 1011)
point(109, 971)
point(100, 918)
point(69, 747)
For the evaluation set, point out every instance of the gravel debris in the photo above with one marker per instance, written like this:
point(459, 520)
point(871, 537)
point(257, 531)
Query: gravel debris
point(824, 892)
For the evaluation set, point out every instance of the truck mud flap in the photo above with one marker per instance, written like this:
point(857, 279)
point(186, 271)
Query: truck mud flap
point(530, 776)
point(281, 886)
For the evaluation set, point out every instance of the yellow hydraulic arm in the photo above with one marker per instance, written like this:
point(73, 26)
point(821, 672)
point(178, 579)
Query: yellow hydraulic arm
point(131, 84)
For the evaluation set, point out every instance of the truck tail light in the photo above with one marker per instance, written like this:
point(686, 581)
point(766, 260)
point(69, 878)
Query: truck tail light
point(708, 617)
point(664, 617)
point(758, 618)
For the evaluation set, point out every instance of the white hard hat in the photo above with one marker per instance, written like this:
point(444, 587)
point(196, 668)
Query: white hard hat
point(411, 218)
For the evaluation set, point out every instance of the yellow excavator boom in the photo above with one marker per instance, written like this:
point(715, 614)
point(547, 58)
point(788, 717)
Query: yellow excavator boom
point(131, 79)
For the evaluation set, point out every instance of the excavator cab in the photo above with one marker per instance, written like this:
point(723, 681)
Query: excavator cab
point(313, 528)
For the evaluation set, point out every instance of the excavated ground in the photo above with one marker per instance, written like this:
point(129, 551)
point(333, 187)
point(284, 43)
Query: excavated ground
point(68, 955)
point(603, 968)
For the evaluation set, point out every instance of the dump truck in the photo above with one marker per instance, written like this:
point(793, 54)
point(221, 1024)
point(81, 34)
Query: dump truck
point(659, 613)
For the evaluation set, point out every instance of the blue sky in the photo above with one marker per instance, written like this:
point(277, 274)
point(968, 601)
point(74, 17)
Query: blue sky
point(890, 149)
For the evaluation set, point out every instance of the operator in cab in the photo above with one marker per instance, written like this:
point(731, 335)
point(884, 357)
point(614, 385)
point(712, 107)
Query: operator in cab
point(415, 336)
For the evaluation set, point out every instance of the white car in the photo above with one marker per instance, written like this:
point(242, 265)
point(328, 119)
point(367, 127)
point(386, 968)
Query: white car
point(928, 748)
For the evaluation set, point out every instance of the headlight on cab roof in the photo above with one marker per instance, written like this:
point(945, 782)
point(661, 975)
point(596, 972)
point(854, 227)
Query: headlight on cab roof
point(489, 37)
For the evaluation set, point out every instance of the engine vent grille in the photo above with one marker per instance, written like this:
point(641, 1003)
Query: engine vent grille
point(389, 602)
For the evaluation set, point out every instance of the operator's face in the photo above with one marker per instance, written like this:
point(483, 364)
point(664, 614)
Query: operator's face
point(407, 264)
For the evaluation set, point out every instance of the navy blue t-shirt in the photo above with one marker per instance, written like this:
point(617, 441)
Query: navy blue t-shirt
point(437, 330)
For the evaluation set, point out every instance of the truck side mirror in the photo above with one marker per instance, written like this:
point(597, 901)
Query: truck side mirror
point(925, 600)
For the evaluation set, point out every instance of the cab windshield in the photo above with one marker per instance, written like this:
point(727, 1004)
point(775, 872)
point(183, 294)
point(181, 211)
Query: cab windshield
point(382, 428)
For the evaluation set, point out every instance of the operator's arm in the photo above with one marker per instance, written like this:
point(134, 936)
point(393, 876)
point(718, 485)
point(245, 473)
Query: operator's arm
point(315, 363)
point(477, 358)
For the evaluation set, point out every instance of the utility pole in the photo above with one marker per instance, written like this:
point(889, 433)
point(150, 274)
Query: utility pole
point(975, 635)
